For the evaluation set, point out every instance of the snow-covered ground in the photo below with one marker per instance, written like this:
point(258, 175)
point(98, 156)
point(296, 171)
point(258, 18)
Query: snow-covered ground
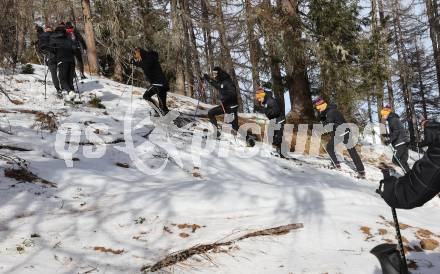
point(111, 214)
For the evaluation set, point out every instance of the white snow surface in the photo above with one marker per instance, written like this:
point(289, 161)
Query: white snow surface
point(99, 204)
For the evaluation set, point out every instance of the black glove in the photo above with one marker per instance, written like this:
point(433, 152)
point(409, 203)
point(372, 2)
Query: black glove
point(387, 142)
point(206, 76)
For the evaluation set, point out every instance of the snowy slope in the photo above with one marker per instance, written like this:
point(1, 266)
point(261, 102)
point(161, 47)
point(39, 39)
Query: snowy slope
point(105, 218)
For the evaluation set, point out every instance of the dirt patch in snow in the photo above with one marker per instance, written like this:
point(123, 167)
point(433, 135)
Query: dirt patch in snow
point(25, 176)
point(108, 250)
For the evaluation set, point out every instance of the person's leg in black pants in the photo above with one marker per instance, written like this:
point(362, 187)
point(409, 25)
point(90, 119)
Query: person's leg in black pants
point(331, 151)
point(53, 72)
point(71, 75)
point(401, 157)
point(162, 97)
point(63, 70)
point(234, 122)
point(79, 59)
point(213, 112)
point(354, 155)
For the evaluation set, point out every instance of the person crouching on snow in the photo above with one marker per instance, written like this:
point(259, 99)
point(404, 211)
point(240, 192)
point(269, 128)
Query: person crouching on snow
point(269, 106)
point(148, 61)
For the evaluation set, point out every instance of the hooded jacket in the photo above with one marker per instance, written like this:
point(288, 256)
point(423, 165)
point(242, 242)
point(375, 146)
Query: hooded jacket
point(76, 38)
point(270, 107)
point(149, 63)
point(226, 88)
point(61, 46)
point(397, 132)
point(422, 183)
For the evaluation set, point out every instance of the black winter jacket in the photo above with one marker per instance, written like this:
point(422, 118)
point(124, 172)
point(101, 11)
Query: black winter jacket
point(151, 67)
point(44, 48)
point(332, 116)
point(77, 40)
point(61, 46)
point(226, 88)
point(422, 183)
point(397, 132)
point(271, 108)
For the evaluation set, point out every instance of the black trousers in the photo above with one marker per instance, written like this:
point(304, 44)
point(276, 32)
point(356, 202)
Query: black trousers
point(218, 110)
point(79, 60)
point(52, 66)
point(66, 75)
point(161, 93)
point(278, 134)
point(401, 156)
point(352, 151)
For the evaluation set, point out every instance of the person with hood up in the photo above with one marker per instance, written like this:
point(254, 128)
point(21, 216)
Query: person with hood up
point(43, 48)
point(269, 106)
point(329, 114)
point(63, 50)
point(221, 81)
point(78, 46)
point(148, 61)
point(422, 183)
point(396, 137)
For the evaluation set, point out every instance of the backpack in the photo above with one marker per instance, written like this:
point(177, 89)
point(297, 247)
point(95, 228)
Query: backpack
point(43, 42)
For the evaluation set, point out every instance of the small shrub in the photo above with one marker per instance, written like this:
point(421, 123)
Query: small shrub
point(95, 102)
point(27, 69)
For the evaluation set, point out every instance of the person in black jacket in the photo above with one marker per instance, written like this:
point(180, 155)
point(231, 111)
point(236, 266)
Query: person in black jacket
point(396, 137)
point(422, 183)
point(43, 48)
point(269, 106)
point(63, 50)
point(329, 114)
point(149, 62)
point(228, 97)
point(78, 46)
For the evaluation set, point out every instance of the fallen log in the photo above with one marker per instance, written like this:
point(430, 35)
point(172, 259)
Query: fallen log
point(183, 255)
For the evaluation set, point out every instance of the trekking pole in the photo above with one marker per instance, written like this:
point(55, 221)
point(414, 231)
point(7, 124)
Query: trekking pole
point(399, 240)
point(385, 252)
point(45, 77)
point(127, 83)
point(326, 151)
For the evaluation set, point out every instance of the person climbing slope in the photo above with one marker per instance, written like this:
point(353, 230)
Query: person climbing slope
point(228, 98)
point(329, 114)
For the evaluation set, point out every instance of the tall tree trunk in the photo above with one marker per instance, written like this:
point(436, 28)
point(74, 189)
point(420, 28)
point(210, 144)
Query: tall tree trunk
point(226, 50)
point(177, 37)
point(384, 36)
point(420, 80)
point(403, 71)
point(145, 8)
point(434, 32)
point(196, 67)
point(297, 78)
point(90, 38)
point(189, 74)
point(271, 38)
point(253, 44)
point(208, 46)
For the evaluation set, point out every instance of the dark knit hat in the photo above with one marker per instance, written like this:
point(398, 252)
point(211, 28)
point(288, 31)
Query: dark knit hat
point(318, 101)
